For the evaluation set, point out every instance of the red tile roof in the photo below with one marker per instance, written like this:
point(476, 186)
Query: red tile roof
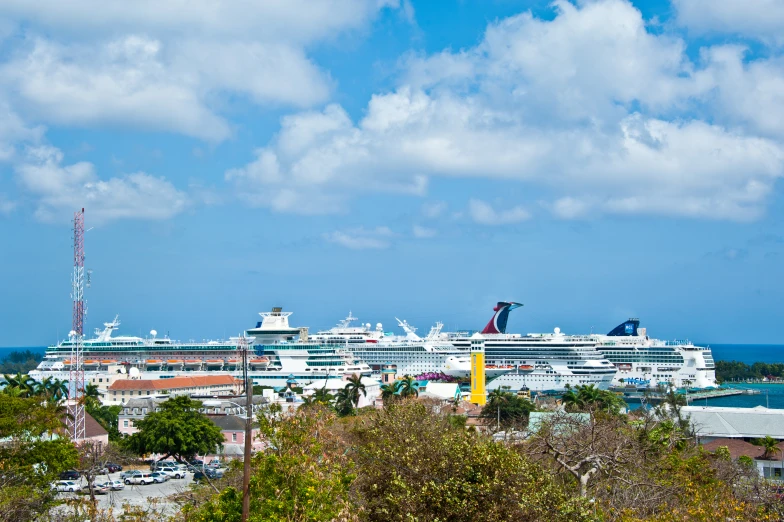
point(740, 448)
point(173, 383)
point(92, 428)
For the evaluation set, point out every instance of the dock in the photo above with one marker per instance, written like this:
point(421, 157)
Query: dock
point(653, 397)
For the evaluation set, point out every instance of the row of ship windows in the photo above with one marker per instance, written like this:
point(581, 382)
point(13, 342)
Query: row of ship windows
point(674, 360)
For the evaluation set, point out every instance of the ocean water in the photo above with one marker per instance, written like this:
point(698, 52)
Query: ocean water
point(747, 353)
point(4, 351)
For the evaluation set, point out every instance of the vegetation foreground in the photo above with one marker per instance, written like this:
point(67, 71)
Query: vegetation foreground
point(413, 460)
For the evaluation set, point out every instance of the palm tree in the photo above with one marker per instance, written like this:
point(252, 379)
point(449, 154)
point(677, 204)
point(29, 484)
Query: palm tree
point(91, 397)
point(572, 400)
point(408, 387)
point(343, 404)
point(353, 388)
point(389, 391)
point(23, 383)
point(59, 389)
point(320, 396)
point(771, 447)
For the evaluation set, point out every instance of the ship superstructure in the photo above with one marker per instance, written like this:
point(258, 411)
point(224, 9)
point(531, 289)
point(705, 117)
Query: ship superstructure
point(541, 362)
point(410, 354)
point(279, 354)
point(645, 362)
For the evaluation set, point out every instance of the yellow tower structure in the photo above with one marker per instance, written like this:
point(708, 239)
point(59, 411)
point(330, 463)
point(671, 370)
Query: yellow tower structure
point(478, 392)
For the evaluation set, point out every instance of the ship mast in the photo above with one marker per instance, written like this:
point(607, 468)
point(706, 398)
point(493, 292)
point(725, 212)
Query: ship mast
point(76, 381)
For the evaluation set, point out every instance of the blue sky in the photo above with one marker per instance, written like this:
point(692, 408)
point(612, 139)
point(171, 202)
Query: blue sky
point(595, 160)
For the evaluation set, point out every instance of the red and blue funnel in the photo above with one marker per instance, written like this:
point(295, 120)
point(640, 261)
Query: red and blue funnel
point(497, 324)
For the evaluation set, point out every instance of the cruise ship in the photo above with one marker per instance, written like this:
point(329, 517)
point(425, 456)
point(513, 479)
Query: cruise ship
point(541, 362)
point(409, 353)
point(279, 354)
point(645, 362)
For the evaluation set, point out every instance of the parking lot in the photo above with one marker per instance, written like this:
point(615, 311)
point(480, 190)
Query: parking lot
point(137, 495)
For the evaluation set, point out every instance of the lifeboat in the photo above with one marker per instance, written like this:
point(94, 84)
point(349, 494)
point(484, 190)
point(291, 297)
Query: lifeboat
point(193, 362)
point(108, 361)
point(67, 362)
point(91, 362)
point(154, 362)
point(174, 362)
point(214, 362)
point(234, 362)
point(525, 368)
point(259, 361)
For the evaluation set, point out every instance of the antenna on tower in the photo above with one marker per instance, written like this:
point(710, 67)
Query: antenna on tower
point(76, 381)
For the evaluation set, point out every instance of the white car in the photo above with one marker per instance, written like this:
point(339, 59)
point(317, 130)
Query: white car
point(171, 471)
point(66, 485)
point(116, 485)
point(139, 478)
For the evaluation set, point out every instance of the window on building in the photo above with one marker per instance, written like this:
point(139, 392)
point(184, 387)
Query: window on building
point(125, 424)
point(234, 437)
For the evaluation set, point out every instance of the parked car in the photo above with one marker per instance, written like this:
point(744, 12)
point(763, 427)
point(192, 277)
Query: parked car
point(159, 477)
point(139, 478)
point(113, 468)
point(116, 485)
point(100, 488)
point(171, 471)
point(71, 474)
point(129, 473)
point(66, 485)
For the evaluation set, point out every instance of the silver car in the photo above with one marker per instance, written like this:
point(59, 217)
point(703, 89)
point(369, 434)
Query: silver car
point(159, 477)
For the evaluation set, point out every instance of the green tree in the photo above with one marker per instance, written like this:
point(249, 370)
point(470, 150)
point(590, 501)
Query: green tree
point(19, 362)
point(770, 446)
point(413, 464)
point(320, 396)
point(343, 403)
point(586, 397)
point(178, 429)
point(408, 387)
point(303, 475)
point(21, 385)
point(507, 409)
point(30, 458)
point(354, 387)
point(389, 391)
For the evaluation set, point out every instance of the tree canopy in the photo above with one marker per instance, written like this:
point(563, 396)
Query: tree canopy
point(178, 429)
point(30, 458)
point(507, 409)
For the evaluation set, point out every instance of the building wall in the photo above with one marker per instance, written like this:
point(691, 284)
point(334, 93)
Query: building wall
point(118, 397)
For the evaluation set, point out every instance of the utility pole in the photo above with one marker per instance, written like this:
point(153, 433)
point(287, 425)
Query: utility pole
point(242, 346)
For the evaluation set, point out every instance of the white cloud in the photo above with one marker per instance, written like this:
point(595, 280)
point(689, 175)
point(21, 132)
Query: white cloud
point(59, 189)
point(170, 68)
point(140, 82)
point(421, 232)
point(433, 209)
point(484, 214)
point(300, 21)
point(589, 107)
point(14, 131)
point(758, 19)
point(361, 238)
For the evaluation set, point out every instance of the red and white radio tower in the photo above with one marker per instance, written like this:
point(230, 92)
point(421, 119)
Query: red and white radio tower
point(76, 383)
